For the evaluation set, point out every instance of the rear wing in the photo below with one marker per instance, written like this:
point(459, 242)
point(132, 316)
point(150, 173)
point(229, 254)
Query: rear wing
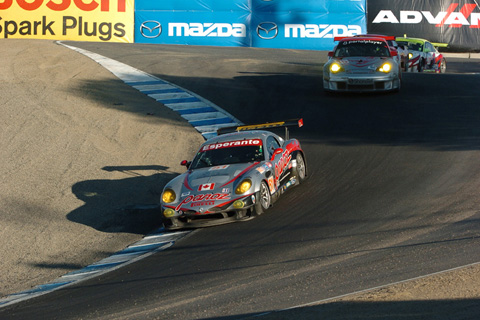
point(387, 38)
point(268, 125)
point(416, 40)
point(439, 45)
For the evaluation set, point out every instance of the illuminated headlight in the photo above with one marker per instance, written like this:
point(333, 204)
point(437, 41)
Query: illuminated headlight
point(335, 68)
point(385, 68)
point(410, 55)
point(168, 196)
point(244, 186)
point(168, 213)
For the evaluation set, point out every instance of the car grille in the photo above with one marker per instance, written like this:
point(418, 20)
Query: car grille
point(191, 216)
point(380, 85)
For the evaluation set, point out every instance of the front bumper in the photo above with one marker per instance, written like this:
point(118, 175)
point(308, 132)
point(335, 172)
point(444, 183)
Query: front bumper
point(203, 217)
point(361, 84)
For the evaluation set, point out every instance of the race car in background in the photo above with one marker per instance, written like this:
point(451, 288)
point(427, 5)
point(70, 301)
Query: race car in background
point(423, 55)
point(362, 64)
point(234, 176)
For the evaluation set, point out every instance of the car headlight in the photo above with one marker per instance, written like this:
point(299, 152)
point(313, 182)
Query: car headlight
point(410, 55)
point(335, 67)
point(168, 196)
point(385, 68)
point(244, 186)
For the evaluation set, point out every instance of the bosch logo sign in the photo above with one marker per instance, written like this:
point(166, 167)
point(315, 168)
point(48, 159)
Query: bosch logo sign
point(151, 29)
point(267, 30)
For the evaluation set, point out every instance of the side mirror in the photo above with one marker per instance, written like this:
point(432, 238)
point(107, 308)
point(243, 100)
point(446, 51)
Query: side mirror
point(276, 151)
point(185, 163)
point(330, 54)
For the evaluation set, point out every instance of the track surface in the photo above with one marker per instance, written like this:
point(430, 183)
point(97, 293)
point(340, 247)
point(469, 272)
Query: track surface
point(392, 192)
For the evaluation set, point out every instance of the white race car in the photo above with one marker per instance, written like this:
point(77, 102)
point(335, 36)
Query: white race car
point(423, 55)
point(362, 64)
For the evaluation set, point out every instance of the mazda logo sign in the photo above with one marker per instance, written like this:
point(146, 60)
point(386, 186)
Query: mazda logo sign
point(151, 29)
point(267, 30)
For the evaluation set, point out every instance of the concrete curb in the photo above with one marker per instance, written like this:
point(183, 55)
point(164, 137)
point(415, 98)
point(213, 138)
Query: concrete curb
point(466, 55)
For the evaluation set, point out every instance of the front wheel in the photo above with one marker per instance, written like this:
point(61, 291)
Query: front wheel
point(301, 169)
point(263, 199)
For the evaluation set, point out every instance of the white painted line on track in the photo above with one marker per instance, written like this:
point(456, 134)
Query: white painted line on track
point(188, 106)
point(169, 94)
point(202, 116)
point(318, 302)
point(155, 242)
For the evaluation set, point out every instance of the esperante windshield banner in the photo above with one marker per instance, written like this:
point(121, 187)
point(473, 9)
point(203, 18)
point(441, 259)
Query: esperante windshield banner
point(456, 22)
point(290, 24)
point(82, 20)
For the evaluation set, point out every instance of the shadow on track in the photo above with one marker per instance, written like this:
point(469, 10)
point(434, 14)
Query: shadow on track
point(405, 310)
point(426, 112)
point(127, 205)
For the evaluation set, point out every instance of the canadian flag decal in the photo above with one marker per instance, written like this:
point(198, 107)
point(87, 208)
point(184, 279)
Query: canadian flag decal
point(206, 187)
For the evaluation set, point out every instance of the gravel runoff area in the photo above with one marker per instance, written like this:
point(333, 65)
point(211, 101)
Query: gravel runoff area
point(82, 153)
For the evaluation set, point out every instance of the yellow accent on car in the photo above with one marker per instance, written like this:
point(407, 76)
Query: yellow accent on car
point(335, 68)
point(239, 204)
point(385, 68)
point(168, 213)
point(168, 196)
point(244, 186)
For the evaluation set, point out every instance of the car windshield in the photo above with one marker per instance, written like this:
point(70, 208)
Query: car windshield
point(412, 45)
point(230, 152)
point(362, 48)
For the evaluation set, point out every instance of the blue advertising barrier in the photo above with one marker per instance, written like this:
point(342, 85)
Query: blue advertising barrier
point(286, 24)
point(193, 5)
point(192, 28)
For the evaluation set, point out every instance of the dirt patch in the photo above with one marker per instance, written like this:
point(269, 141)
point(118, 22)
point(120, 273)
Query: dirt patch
point(78, 148)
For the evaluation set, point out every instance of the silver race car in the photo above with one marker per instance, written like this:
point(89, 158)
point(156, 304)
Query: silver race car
point(362, 64)
point(234, 176)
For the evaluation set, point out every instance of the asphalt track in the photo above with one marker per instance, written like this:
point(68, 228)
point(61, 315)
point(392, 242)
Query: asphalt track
point(392, 192)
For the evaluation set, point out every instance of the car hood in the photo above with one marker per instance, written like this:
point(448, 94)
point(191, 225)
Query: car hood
point(219, 175)
point(362, 62)
point(211, 179)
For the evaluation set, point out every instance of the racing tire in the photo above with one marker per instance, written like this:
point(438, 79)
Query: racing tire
point(300, 171)
point(443, 66)
point(421, 65)
point(263, 199)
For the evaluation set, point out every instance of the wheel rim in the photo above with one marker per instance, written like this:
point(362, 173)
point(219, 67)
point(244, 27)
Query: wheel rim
point(443, 66)
point(300, 167)
point(264, 196)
